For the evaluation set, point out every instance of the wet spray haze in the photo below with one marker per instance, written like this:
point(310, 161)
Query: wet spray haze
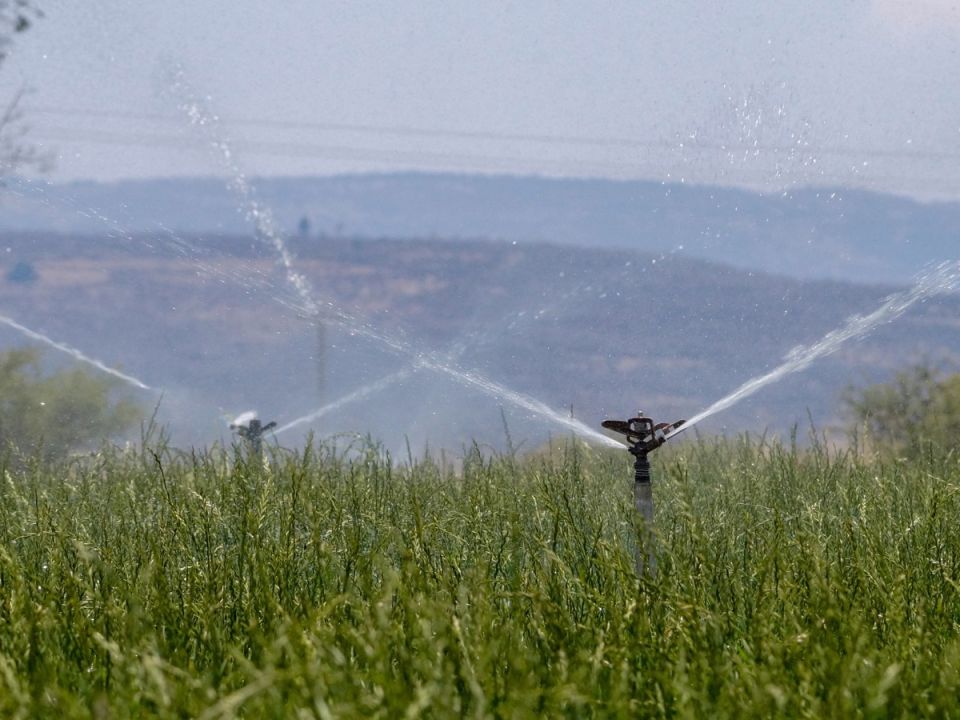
point(197, 112)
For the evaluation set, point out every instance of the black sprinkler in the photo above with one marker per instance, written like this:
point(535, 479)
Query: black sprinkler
point(644, 436)
point(253, 432)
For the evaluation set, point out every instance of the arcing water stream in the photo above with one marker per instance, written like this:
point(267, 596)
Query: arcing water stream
point(355, 396)
point(456, 352)
point(208, 124)
point(942, 279)
point(129, 379)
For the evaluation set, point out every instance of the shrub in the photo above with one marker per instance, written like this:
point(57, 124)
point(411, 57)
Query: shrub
point(55, 414)
point(918, 408)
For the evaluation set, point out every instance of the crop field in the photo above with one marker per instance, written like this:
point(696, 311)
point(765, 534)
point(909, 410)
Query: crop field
point(335, 582)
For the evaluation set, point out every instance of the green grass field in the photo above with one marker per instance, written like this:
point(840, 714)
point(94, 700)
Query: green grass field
point(798, 583)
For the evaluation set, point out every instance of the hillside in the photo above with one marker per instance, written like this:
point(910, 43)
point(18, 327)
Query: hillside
point(809, 233)
point(212, 323)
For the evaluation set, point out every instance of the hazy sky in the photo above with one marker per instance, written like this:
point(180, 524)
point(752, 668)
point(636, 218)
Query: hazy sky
point(767, 94)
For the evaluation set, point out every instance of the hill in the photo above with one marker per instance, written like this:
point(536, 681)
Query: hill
point(808, 233)
point(213, 324)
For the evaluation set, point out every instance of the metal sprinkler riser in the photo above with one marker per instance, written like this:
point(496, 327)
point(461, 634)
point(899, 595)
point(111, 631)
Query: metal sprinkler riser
point(644, 436)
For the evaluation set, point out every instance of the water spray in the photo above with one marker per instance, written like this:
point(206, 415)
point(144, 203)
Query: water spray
point(203, 119)
point(73, 352)
point(643, 437)
point(941, 279)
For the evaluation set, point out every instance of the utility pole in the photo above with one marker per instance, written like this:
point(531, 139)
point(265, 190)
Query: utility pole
point(321, 358)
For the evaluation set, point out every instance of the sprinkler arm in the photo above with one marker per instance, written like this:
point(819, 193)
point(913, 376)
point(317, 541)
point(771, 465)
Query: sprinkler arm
point(255, 430)
point(677, 428)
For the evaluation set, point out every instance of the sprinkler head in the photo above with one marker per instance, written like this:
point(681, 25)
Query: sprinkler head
point(249, 427)
point(642, 433)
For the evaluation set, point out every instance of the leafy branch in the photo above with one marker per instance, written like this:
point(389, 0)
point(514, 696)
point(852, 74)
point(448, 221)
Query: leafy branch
point(16, 152)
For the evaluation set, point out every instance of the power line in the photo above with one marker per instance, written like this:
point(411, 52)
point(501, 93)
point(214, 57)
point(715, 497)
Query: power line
point(303, 150)
point(694, 145)
point(401, 130)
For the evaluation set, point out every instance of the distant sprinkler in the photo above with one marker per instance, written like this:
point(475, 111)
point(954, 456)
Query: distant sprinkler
point(248, 426)
point(644, 436)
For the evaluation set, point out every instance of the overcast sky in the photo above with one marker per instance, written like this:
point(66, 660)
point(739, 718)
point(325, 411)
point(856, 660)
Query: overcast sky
point(855, 93)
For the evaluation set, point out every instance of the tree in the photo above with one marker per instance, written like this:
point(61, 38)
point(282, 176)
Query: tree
point(16, 16)
point(23, 273)
point(917, 409)
point(303, 227)
point(942, 424)
point(55, 414)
